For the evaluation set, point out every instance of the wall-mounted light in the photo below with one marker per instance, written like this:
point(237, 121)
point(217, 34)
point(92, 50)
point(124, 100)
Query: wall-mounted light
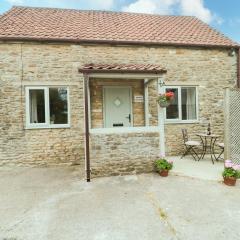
point(232, 52)
point(161, 83)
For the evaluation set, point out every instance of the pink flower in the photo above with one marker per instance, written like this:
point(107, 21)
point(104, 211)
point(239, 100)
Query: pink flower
point(228, 164)
point(170, 161)
point(236, 167)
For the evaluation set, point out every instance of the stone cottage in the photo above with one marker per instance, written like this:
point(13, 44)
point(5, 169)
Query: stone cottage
point(80, 87)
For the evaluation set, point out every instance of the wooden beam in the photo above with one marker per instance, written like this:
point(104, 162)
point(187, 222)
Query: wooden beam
point(161, 121)
point(146, 110)
point(226, 124)
point(86, 118)
point(238, 69)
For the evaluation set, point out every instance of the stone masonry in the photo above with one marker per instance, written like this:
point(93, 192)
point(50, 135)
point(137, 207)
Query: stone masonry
point(123, 153)
point(35, 64)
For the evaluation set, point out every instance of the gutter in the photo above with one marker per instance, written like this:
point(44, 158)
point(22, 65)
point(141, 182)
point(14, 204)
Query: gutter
point(113, 42)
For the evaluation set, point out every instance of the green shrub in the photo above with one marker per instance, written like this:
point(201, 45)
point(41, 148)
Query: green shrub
point(163, 164)
point(230, 172)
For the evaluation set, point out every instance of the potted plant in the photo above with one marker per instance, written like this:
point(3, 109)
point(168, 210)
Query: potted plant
point(165, 99)
point(231, 173)
point(163, 166)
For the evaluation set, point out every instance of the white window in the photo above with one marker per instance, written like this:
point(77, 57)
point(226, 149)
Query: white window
point(184, 107)
point(47, 107)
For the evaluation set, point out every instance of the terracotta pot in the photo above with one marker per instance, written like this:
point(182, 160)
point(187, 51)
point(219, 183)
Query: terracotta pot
point(230, 181)
point(164, 104)
point(163, 173)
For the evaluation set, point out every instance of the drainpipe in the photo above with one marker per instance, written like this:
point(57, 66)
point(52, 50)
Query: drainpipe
point(238, 69)
point(86, 118)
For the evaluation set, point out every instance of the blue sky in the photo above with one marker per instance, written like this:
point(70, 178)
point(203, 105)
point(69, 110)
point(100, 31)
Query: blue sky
point(223, 15)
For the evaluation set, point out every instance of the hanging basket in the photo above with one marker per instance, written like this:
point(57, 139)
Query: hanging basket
point(164, 104)
point(165, 99)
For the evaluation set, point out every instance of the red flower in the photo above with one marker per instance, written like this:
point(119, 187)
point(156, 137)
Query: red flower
point(169, 94)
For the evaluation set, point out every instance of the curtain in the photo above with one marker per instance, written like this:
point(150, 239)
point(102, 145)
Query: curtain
point(33, 107)
point(191, 103)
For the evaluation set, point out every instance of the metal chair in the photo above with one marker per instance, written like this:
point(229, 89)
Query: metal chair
point(189, 146)
point(221, 146)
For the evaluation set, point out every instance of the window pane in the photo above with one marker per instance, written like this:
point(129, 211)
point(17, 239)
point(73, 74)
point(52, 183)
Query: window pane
point(37, 106)
point(58, 105)
point(189, 103)
point(172, 111)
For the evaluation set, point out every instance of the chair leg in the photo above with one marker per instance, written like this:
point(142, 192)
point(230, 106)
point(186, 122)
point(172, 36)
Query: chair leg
point(191, 150)
point(194, 153)
point(186, 152)
point(220, 154)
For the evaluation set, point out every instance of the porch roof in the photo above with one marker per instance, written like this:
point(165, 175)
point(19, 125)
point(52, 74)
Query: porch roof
point(122, 68)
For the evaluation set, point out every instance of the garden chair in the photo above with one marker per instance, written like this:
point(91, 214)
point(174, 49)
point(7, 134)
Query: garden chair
point(219, 156)
point(189, 146)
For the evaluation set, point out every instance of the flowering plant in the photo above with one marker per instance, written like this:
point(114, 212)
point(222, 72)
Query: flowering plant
point(163, 164)
point(231, 169)
point(165, 97)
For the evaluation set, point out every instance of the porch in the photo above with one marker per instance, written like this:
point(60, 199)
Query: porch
point(124, 124)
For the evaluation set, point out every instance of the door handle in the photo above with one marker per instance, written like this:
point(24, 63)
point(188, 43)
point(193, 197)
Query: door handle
point(129, 117)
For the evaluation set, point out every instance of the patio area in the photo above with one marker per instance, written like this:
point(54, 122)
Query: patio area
point(203, 169)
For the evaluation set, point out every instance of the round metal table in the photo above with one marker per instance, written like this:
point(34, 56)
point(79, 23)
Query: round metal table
point(205, 138)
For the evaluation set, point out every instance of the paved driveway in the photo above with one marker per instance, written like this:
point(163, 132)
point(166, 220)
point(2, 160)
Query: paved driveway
point(55, 204)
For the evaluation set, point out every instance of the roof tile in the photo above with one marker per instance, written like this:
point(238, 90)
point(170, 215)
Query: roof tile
point(50, 24)
point(123, 67)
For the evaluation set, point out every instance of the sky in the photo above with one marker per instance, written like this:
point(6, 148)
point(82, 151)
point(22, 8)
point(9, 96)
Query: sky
point(224, 15)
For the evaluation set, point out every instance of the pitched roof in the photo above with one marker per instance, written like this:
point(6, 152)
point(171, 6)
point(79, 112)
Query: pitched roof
point(51, 24)
point(120, 68)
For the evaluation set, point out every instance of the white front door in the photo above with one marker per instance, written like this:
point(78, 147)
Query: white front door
point(117, 107)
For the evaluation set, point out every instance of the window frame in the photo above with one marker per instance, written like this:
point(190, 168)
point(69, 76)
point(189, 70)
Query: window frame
point(47, 123)
point(179, 119)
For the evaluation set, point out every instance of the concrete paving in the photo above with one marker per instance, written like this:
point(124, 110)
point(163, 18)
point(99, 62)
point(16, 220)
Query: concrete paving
point(56, 204)
point(203, 169)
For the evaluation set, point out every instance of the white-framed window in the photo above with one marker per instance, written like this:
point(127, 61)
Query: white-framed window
point(184, 107)
point(47, 107)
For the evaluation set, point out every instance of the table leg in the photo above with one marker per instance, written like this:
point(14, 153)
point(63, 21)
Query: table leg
point(212, 147)
point(204, 147)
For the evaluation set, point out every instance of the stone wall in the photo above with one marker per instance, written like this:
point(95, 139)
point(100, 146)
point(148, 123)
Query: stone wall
point(123, 153)
point(30, 65)
point(211, 70)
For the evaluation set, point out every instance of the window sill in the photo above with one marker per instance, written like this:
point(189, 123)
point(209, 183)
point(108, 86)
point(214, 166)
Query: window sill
point(124, 130)
point(48, 126)
point(182, 122)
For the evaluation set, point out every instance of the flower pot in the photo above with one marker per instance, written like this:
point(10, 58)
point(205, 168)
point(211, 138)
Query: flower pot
point(164, 104)
point(230, 181)
point(163, 173)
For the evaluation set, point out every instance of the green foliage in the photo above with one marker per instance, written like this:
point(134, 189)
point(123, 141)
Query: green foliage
point(230, 172)
point(163, 164)
point(165, 97)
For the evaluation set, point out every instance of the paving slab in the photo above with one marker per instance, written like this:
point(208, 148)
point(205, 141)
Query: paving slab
point(203, 169)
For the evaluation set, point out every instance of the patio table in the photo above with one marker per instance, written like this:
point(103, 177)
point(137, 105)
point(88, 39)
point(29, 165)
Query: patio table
point(205, 138)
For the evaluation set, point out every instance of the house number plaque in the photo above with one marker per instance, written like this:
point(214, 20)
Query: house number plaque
point(138, 98)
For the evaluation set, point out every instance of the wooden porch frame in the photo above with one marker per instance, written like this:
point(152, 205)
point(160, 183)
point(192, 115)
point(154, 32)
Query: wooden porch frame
point(143, 76)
